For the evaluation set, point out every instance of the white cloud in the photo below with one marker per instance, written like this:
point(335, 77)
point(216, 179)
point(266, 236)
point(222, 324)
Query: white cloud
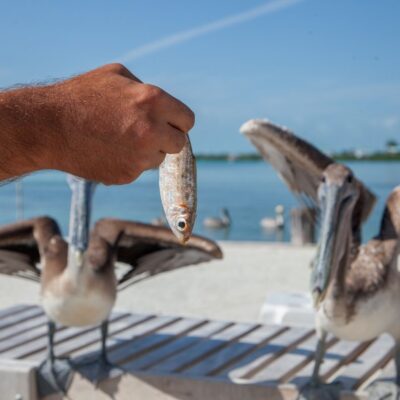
point(184, 36)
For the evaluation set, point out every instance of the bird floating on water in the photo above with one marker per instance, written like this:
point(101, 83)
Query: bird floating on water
point(356, 287)
point(79, 279)
point(222, 222)
point(275, 223)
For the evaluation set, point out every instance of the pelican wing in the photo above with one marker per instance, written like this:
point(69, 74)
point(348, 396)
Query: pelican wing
point(20, 243)
point(18, 264)
point(298, 163)
point(149, 250)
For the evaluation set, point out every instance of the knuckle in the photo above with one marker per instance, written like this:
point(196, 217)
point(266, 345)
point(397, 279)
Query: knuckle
point(152, 93)
point(116, 68)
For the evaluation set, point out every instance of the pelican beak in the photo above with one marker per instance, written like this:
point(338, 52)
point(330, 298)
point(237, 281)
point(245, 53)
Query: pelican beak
point(323, 264)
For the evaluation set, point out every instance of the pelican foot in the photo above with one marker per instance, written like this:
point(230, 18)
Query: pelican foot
point(383, 391)
point(320, 391)
point(96, 369)
point(54, 377)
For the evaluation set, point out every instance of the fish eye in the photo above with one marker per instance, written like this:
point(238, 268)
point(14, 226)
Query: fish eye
point(181, 225)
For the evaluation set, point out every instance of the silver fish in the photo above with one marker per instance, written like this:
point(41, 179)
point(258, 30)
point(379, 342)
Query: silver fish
point(178, 190)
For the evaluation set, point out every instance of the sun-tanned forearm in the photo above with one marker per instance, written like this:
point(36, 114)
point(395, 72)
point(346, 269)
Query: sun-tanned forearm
point(21, 149)
point(104, 125)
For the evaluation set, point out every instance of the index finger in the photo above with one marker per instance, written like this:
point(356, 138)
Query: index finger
point(177, 114)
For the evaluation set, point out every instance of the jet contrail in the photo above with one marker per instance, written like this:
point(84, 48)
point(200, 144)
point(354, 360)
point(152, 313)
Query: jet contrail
point(184, 36)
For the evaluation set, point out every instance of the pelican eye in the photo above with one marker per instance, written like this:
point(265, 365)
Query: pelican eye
point(323, 179)
point(181, 225)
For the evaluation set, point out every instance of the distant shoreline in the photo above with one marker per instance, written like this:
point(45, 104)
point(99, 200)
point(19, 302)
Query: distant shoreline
point(345, 156)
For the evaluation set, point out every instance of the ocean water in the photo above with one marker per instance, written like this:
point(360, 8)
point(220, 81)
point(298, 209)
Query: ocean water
point(250, 191)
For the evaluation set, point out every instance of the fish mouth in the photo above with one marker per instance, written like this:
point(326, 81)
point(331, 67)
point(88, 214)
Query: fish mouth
point(186, 236)
point(183, 224)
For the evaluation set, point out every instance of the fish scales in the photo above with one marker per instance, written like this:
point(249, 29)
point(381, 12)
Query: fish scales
point(178, 190)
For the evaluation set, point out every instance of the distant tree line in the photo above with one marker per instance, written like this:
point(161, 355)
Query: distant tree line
point(392, 153)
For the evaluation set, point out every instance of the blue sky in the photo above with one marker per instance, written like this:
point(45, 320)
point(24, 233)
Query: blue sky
point(329, 70)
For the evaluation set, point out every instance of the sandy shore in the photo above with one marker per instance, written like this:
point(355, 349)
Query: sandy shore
point(233, 288)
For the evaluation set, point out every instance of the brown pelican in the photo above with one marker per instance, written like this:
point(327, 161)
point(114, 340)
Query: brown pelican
point(222, 222)
point(275, 223)
point(356, 287)
point(78, 280)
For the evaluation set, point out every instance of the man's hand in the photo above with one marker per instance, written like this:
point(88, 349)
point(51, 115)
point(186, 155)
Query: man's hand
point(104, 125)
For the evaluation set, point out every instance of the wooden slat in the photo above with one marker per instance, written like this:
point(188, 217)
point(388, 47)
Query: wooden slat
point(35, 349)
point(81, 343)
point(285, 367)
point(89, 346)
point(234, 351)
point(254, 362)
point(22, 315)
point(15, 309)
point(183, 343)
point(132, 349)
point(23, 338)
point(146, 328)
point(21, 327)
point(179, 362)
point(367, 363)
point(388, 372)
point(338, 355)
point(282, 366)
point(125, 334)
